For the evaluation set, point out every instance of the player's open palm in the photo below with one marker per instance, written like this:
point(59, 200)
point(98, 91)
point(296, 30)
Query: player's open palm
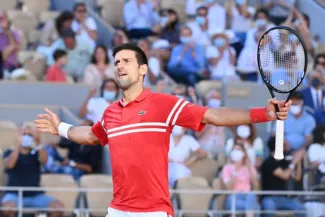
point(48, 123)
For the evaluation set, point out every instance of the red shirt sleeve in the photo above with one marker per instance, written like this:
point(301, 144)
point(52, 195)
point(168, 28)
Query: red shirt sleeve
point(185, 114)
point(100, 133)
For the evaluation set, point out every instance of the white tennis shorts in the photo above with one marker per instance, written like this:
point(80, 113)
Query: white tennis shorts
point(117, 213)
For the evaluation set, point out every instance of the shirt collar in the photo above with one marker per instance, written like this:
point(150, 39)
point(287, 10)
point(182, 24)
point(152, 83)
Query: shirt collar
point(147, 92)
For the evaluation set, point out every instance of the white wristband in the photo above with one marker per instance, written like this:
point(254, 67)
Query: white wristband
point(63, 129)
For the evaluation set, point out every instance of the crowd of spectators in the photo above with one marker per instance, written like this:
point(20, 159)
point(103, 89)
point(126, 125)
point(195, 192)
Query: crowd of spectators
point(215, 42)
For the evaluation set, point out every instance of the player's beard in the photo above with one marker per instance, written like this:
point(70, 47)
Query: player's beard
point(124, 83)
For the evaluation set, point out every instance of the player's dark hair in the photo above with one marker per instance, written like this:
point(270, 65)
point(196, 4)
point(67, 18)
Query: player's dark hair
point(297, 95)
point(318, 56)
point(271, 143)
point(102, 87)
point(93, 57)
point(261, 10)
point(79, 4)
point(318, 134)
point(139, 54)
point(58, 53)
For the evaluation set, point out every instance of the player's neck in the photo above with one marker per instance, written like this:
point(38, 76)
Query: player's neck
point(132, 93)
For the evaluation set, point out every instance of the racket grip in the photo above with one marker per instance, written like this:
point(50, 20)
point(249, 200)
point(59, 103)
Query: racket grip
point(279, 140)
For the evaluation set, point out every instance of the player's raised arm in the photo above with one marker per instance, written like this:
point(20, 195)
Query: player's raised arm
point(233, 117)
point(50, 123)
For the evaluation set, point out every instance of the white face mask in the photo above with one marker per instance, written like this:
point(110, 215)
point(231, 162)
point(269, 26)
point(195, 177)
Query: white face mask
point(214, 103)
point(243, 131)
point(177, 131)
point(236, 155)
point(27, 141)
point(295, 109)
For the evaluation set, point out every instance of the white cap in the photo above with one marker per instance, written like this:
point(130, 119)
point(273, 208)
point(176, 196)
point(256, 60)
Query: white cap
point(161, 44)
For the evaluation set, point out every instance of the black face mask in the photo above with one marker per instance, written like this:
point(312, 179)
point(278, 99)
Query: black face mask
point(315, 82)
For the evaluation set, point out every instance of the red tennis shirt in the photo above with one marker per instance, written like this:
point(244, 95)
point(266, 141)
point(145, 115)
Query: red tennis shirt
point(138, 137)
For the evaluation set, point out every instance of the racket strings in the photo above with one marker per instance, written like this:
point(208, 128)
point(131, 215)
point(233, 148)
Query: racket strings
point(282, 59)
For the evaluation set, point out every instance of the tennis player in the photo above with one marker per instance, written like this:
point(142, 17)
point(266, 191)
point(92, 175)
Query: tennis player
point(137, 129)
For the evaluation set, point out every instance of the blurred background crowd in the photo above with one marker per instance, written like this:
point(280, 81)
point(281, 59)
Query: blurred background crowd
point(188, 42)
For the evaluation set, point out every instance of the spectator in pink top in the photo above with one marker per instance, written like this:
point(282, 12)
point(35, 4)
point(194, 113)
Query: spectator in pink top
point(9, 43)
point(239, 175)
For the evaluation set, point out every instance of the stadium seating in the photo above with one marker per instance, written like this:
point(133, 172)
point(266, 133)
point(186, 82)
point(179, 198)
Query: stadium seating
point(68, 198)
point(97, 202)
point(8, 135)
point(206, 168)
point(8, 4)
point(193, 204)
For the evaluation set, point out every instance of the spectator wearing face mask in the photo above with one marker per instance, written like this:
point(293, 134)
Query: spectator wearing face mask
point(99, 69)
point(262, 24)
point(314, 94)
point(212, 138)
point(23, 166)
point(316, 153)
point(299, 125)
point(180, 148)
point(199, 27)
point(221, 58)
point(240, 175)
point(186, 64)
point(246, 135)
point(275, 177)
point(93, 107)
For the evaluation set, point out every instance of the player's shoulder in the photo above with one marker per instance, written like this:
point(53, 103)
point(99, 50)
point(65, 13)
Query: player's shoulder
point(157, 96)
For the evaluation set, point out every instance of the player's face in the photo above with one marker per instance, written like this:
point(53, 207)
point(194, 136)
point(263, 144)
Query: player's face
point(127, 70)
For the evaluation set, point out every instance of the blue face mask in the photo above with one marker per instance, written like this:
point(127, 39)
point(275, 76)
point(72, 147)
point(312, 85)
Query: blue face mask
point(200, 20)
point(184, 39)
point(109, 95)
point(27, 141)
point(260, 23)
point(315, 82)
point(163, 21)
point(209, 1)
point(219, 42)
point(240, 2)
point(214, 103)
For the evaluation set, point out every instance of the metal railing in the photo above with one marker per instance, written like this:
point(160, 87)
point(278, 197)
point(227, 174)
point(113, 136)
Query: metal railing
point(179, 212)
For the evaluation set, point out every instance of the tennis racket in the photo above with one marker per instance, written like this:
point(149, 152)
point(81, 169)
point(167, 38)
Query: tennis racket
point(282, 62)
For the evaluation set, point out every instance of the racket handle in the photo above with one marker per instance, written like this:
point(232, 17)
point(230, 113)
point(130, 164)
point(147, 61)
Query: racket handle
point(279, 140)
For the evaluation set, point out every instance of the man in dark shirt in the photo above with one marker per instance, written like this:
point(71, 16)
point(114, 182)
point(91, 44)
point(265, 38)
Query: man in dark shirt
point(81, 158)
point(275, 176)
point(23, 166)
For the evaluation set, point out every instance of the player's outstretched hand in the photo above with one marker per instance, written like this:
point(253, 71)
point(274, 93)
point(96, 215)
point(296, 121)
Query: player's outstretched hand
point(284, 109)
point(48, 123)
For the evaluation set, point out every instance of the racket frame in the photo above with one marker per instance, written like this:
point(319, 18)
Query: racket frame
point(280, 123)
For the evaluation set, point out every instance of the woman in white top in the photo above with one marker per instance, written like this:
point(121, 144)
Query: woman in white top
point(221, 58)
point(94, 107)
point(180, 148)
point(246, 135)
point(316, 153)
point(99, 69)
